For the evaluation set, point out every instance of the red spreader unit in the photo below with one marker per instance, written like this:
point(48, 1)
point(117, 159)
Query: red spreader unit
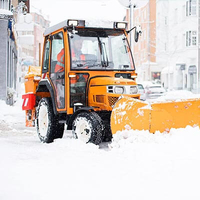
point(29, 106)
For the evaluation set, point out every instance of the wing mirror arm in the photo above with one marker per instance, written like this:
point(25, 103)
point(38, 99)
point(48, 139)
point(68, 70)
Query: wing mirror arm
point(131, 30)
point(138, 32)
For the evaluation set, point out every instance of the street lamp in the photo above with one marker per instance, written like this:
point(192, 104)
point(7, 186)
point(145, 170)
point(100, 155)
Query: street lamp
point(131, 5)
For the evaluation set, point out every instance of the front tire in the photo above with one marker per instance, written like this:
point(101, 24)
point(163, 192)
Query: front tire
point(88, 127)
point(47, 124)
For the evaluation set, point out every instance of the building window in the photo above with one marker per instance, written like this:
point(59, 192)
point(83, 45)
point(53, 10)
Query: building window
point(191, 38)
point(165, 46)
point(145, 15)
point(175, 42)
point(194, 38)
point(144, 34)
point(165, 20)
point(183, 41)
point(176, 16)
point(155, 75)
point(183, 12)
point(191, 8)
point(188, 38)
point(4, 4)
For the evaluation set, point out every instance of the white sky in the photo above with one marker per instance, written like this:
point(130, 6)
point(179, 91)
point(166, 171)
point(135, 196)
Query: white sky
point(60, 10)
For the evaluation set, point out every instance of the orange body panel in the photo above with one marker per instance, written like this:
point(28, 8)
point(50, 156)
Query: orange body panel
point(98, 95)
point(32, 79)
point(31, 85)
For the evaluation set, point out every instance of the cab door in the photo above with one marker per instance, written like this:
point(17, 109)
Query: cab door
point(57, 70)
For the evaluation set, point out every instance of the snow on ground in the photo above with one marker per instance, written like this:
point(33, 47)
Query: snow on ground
point(136, 165)
point(177, 95)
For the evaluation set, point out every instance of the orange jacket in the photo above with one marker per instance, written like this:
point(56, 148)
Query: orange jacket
point(82, 57)
point(60, 66)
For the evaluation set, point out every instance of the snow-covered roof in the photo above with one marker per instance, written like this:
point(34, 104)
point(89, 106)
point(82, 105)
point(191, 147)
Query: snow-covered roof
point(88, 23)
point(5, 12)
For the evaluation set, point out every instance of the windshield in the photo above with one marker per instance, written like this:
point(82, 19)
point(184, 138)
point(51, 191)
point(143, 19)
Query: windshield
point(100, 50)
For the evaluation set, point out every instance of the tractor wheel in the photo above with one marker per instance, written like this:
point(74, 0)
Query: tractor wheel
point(46, 121)
point(88, 127)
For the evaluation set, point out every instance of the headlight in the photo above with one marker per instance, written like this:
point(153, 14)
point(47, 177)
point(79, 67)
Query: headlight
point(120, 25)
point(133, 90)
point(119, 90)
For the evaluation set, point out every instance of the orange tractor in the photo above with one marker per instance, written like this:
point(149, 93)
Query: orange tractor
point(84, 72)
point(87, 82)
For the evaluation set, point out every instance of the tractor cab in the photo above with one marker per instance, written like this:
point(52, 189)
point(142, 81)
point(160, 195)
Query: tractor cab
point(94, 63)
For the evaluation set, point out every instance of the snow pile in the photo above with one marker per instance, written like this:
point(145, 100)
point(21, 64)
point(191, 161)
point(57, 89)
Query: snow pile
point(122, 139)
point(177, 95)
point(129, 138)
point(11, 116)
point(165, 165)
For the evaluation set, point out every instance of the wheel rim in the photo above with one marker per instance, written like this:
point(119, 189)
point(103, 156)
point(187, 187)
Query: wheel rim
point(83, 129)
point(43, 120)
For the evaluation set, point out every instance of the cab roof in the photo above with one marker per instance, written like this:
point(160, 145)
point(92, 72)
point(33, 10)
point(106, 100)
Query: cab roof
point(83, 23)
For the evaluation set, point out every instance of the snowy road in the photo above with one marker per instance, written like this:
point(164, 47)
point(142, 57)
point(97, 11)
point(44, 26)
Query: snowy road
point(136, 165)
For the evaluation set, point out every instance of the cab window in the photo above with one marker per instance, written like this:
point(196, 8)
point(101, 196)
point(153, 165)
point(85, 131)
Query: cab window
point(78, 89)
point(57, 73)
point(57, 48)
point(46, 56)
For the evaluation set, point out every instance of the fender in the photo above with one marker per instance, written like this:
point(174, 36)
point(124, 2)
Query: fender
point(73, 116)
point(45, 86)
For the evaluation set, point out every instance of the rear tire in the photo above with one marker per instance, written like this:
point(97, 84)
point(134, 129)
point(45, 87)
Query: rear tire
point(88, 127)
point(47, 124)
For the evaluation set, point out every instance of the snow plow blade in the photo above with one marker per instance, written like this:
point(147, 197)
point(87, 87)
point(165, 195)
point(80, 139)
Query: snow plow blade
point(129, 113)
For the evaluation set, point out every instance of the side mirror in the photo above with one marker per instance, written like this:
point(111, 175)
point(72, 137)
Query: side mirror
point(138, 32)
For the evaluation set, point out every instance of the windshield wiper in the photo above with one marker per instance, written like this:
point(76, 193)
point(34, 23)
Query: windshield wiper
point(88, 63)
point(104, 56)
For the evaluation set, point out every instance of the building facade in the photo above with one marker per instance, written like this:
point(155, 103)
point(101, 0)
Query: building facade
point(8, 53)
point(169, 49)
point(21, 43)
point(177, 43)
point(144, 50)
point(30, 29)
